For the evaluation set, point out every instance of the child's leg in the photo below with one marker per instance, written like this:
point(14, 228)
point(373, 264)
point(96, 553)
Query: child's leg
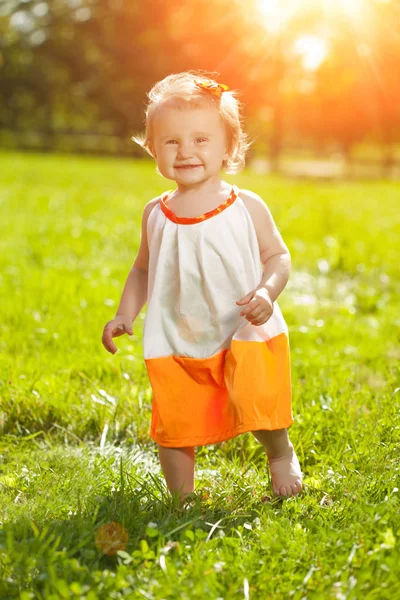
point(178, 467)
point(283, 463)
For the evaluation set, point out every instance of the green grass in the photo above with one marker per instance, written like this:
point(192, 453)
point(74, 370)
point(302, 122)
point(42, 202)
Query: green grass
point(74, 448)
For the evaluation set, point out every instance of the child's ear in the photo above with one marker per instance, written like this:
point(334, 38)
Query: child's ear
point(152, 150)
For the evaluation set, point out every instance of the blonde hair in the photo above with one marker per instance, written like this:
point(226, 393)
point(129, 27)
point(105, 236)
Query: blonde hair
point(182, 87)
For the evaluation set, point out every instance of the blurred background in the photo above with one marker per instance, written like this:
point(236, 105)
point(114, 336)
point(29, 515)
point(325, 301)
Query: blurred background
point(318, 78)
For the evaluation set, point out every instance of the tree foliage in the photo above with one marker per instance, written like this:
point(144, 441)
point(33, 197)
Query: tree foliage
point(85, 66)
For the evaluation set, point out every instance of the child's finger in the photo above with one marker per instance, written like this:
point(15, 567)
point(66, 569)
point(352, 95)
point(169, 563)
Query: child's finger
point(262, 319)
point(245, 298)
point(107, 341)
point(258, 316)
point(249, 309)
point(121, 329)
point(255, 314)
point(110, 331)
point(124, 328)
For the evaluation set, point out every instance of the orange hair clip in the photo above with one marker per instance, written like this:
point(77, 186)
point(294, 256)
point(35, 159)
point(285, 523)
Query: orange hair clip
point(212, 87)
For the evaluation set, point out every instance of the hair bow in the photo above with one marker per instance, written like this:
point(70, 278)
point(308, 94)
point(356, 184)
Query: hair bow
point(212, 87)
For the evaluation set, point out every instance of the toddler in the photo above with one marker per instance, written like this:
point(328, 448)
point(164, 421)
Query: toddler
point(211, 265)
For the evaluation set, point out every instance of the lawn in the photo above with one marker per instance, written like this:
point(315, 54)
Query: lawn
point(75, 454)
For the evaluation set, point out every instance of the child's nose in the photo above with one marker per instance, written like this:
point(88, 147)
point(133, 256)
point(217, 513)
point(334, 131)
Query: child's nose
point(184, 151)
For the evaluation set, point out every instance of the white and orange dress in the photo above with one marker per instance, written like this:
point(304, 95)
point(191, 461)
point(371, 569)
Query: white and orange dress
point(213, 374)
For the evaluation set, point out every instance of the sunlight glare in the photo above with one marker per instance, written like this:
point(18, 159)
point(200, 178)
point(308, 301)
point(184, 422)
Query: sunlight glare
point(353, 9)
point(313, 50)
point(277, 13)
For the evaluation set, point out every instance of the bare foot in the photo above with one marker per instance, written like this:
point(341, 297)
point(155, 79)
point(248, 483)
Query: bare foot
point(286, 474)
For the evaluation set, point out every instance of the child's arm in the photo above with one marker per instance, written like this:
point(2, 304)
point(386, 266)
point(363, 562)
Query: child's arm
point(134, 294)
point(276, 274)
point(275, 256)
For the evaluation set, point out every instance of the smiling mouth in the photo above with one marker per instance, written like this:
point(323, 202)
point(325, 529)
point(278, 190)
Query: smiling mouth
point(187, 166)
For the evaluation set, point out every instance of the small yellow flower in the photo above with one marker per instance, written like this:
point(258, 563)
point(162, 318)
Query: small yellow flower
point(111, 537)
point(212, 87)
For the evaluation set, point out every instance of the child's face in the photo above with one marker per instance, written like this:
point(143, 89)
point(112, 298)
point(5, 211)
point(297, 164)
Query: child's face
point(189, 145)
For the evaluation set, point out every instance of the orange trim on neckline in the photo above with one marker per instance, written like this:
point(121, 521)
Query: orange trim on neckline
point(190, 220)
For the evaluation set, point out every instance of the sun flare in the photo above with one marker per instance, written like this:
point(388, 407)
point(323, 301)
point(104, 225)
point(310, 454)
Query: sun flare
point(312, 49)
point(279, 12)
point(313, 46)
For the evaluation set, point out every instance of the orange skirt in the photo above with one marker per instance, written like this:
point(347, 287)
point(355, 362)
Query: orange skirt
point(200, 401)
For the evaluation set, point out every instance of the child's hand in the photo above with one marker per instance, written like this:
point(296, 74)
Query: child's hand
point(114, 328)
point(259, 306)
